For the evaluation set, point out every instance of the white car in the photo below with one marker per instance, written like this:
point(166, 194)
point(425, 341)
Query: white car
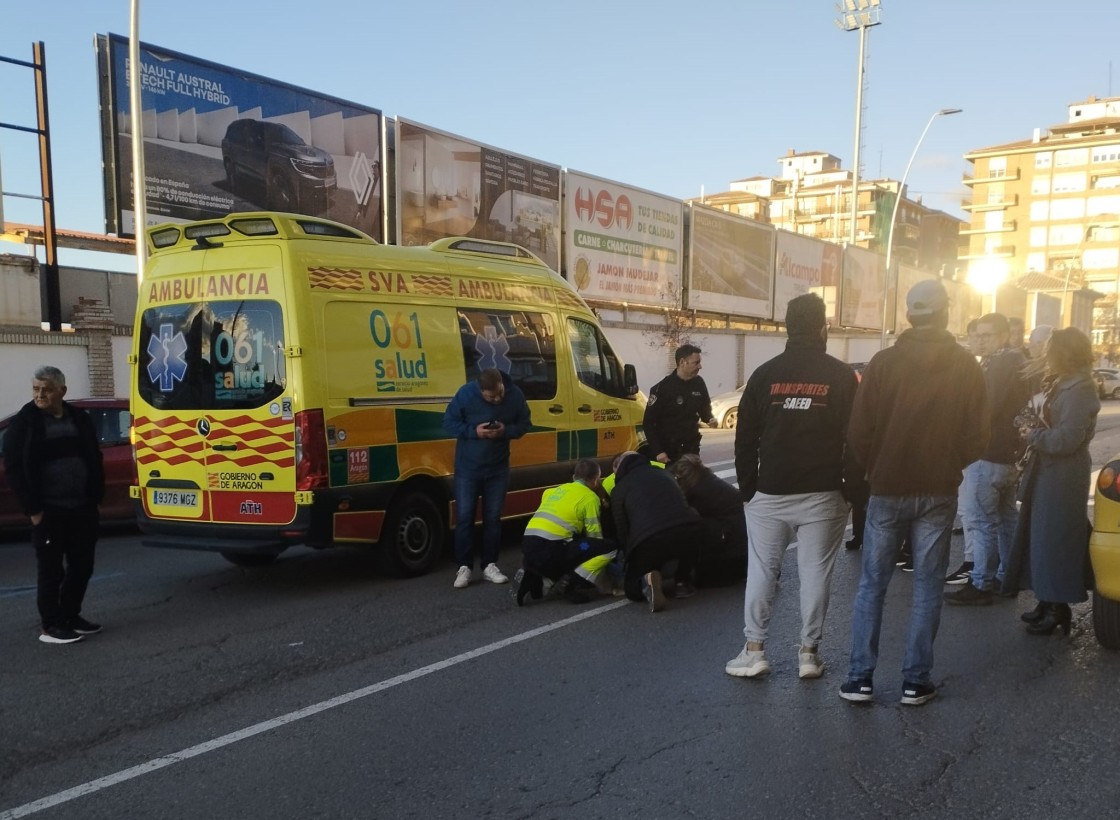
point(725, 407)
point(1108, 382)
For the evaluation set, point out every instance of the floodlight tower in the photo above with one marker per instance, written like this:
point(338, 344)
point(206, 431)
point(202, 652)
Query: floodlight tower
point(857, 15)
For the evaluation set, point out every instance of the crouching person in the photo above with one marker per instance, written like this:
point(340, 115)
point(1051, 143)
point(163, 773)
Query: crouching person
point(723, 554)
point(654, 526)
point(563, 533)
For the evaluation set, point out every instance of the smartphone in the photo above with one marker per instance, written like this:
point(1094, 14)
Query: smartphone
point(493, 425)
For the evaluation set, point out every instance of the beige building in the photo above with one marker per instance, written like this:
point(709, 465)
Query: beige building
point(1050, 206)
point(812, 197)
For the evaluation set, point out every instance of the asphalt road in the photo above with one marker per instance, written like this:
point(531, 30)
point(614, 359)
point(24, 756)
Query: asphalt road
point(318, 688)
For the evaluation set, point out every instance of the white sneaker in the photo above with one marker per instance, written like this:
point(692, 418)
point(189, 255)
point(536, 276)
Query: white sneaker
point(749, 663)
point(463, 577)
point(494, 575)
point(809, 664)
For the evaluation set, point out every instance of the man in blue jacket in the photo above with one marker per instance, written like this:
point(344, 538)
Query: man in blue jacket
point(53, 464)
point(483, 416)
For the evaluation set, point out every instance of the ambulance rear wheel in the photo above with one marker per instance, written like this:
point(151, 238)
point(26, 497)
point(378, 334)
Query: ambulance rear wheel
point(413, 537)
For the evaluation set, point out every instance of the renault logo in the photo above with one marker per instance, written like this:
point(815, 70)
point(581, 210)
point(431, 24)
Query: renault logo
point(203, 427)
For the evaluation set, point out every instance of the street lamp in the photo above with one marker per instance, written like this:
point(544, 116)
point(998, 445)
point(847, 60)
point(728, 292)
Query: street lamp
point(862, 15)
point(893, 280)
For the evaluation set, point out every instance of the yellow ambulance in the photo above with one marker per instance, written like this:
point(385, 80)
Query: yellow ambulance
point(290, 376)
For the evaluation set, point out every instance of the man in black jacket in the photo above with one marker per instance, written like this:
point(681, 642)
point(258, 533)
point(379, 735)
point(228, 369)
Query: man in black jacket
point(676, 404)
point(794, 470)
point(654, 525)
point(53, 465)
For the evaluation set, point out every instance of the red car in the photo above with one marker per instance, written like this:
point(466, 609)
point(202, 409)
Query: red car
point(111, 420)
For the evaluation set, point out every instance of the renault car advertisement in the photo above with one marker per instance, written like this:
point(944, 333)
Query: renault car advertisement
point(219, 140)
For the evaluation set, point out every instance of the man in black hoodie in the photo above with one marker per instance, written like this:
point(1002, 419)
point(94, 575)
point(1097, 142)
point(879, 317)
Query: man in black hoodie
point(53, 465)
point(793, 469)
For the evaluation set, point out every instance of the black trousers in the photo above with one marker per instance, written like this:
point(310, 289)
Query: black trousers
point(551, 559)
point(681, 543)
point(64, 545)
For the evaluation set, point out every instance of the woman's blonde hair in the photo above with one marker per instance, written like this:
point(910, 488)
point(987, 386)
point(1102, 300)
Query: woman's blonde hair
point(688, 470)
point(1068, 351)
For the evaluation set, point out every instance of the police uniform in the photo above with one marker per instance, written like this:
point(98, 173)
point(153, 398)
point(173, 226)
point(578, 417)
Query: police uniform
point(673, 411)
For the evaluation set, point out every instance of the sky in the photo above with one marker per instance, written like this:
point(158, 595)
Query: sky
point(676, 98)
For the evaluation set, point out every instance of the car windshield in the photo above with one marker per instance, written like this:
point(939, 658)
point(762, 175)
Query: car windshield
point(283, 134)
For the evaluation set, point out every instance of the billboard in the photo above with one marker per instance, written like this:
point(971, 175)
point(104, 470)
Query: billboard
point(622, 244)
point(863, 290)
point(219, 140)
point(803, 265)
point(730, 260)
point(449, 186)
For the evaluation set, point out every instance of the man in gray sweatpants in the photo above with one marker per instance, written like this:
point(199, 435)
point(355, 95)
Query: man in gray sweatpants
point(790, 457)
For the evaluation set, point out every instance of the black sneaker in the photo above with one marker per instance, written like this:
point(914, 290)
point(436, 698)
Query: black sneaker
point(968, 595)
point(853, 544)
point(59, 634)
point(526, 582)
point(857, 691)
point(907, 565)
point(680, 589)
point(651, 589)
point(960, 575)
point(84, 627)
point(915, 694)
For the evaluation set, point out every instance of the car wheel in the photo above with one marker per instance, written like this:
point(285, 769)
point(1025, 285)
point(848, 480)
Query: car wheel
point(1106, 621)
point(1115, 393)
point(413, 537)
point(250, 559)
point(731, 418)
point(280, 196)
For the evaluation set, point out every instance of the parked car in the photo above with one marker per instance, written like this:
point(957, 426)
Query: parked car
point(1108, 382)
point(1104, 552)
point(725, 407)
point(111, 420)
point(278, 165)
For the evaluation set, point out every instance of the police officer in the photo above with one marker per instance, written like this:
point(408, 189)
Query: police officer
point(676, 404)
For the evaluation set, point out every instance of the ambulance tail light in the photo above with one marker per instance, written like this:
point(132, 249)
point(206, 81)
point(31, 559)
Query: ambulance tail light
point(311, 450)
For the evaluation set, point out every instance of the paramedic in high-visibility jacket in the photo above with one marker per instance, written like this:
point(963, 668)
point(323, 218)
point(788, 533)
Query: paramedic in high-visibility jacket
point(563, 533)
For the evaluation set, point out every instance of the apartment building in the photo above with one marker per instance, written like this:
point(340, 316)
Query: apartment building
point(812, 196)
point(1045, 216)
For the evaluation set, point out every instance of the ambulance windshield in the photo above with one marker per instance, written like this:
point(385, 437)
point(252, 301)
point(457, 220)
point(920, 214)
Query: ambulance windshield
point(212, 355)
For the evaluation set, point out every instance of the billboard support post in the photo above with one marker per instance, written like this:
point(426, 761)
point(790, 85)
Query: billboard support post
point(136, 118)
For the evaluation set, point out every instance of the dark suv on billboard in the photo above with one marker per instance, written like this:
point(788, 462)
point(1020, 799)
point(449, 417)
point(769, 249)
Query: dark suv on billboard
point(275, 162)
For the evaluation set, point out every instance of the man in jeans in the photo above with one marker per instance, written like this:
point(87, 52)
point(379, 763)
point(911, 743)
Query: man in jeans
point(990, 482)
point(484, 416)
point(920, 417)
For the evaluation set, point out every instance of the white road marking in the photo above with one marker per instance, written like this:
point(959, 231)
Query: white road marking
point(124, 775)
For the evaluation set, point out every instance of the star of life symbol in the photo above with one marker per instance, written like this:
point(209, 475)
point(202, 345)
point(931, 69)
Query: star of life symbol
point(492, 350)
point(169, 362)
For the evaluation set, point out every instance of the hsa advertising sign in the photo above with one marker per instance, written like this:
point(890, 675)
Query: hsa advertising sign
point(623, 244)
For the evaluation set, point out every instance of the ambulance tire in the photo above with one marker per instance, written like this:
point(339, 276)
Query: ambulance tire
point(250, 559)
point(413, 537)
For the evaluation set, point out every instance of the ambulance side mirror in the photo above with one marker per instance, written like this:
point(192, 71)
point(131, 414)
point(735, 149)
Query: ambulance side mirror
point(630, 379)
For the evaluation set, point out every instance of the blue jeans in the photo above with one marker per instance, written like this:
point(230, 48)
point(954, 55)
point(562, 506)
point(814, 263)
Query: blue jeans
point(990, 517)
point(491, 488)
point(928, 520)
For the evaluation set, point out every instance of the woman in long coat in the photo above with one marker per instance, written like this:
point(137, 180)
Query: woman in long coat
point(1050, 552)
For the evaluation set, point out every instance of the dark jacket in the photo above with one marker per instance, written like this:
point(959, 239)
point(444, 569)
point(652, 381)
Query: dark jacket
point(646, 501)
point(26, 451)
point(674, 408)
point(1008, 393)
point(793, 420)
point(920, 415)
point(468, 409)
point(721, 510)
